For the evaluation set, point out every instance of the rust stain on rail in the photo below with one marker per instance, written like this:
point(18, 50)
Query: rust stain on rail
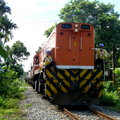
point(71, 115)
point(100, 114)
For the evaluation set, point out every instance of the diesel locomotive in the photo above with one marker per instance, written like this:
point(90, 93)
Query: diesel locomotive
point(74, 80)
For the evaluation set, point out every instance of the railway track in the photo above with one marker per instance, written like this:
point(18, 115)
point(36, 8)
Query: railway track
point(70, 114)
point(97, 113)
point(100, 114)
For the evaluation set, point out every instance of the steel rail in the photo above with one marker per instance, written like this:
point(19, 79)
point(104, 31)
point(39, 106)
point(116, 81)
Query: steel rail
point(71, 115)
point(100, 114)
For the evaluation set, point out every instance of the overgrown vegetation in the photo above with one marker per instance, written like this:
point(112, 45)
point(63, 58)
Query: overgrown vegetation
point(111, 92)
point(117, 73)
point(11, 91)
point(10, 105)
point(10, 68)
point(111, 96)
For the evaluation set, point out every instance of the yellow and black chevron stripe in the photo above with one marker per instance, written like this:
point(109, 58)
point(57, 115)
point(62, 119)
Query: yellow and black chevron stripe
point(62, 80)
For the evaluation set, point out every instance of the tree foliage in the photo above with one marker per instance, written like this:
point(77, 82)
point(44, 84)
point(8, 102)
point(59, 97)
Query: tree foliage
point(6, 25)
point(4, 8)
point(49, 30)
point(19, 51)
point(9, 73)
point(3, 52)
point(10, 69)
point(86, 11)
point(39, 49)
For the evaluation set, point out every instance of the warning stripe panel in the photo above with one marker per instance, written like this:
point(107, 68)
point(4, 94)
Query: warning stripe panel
point(89, 81)
point(53, 88)
point(54, 85)
point(61, 80)
point(48, 93)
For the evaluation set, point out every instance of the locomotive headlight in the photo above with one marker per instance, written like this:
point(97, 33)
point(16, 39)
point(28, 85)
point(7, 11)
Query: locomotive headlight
point(76, 29)
point(76, 25)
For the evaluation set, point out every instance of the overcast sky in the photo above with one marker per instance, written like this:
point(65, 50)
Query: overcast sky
point(33, 17)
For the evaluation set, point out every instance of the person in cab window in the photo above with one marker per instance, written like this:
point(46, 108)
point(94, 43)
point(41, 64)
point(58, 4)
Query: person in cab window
point(101, 55)
point(36, 60)
point(48, 61)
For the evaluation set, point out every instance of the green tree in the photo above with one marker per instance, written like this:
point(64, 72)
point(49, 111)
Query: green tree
point(19, 51)
point(86, 11)
point(3, 52)
point(39, 49)
point(10, 70)
point(6, 25)
point(4, 8)
point(49, 30)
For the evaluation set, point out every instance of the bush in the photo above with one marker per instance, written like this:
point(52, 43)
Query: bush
point(117, 80)
point(11, 103)
point(10, 88)
point(2, 102)
point(117, 71)
point(8, 103)
point(110, 98)
point(110, 94)
point(9, 78)
point(14, 91)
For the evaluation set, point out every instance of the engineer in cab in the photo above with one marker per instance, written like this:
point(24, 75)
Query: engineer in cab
point(101, 56)
point(48, 61)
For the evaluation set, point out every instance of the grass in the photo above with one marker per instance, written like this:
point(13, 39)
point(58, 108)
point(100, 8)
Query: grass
point(10, 107)
point(10, 114)
point(28, 105)
point(10, 110)
point(24, 84)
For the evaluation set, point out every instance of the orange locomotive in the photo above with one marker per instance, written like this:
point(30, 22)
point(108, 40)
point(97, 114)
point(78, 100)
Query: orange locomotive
point(73, 79)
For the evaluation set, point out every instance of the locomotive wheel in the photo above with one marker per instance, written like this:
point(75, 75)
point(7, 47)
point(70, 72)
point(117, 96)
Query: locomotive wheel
point(36, 85)
point(41, 88)
point(33, 84)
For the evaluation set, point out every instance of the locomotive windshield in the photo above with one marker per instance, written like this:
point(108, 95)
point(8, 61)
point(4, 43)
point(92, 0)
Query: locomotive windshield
point(66, 26)
point(36, 60)
point(85, 27)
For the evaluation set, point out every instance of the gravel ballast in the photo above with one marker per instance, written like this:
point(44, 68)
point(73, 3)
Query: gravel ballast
point(37, 108)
